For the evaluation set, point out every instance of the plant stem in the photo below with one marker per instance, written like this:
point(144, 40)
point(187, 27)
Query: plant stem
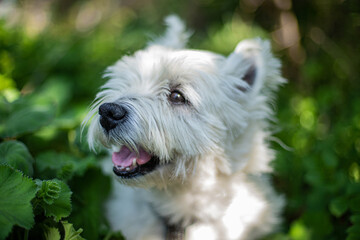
point(26, 234)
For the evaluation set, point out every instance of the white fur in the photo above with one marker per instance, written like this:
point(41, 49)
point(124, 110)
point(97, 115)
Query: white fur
point(213, 151)
point(175, 36)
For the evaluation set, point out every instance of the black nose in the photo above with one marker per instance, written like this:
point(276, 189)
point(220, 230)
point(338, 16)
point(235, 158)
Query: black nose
point(111, 115)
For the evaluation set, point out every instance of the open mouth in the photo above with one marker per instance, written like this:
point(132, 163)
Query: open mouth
point(129, 164)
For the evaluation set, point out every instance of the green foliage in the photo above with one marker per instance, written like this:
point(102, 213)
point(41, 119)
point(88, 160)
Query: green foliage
point(62, 165)
point(36, 122)
point(16, 155)
point(50, 70)
point(61, 206)
point(52, 233)
point(89, 203)
point(338, 206)
point(71, 233)
point(23, 117)
point(16, 192)
point(223, 40)
point(48, 191)
point(354, 230)
point(54, 198)
point(299, 231)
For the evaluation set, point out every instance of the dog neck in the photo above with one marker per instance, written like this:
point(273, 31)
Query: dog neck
point(209, 178)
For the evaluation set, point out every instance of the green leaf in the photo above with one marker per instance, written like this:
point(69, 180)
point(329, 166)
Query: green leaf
point(90, 192)
point(330, 159)
point(354, 230)
point(224, 40)
point(26, 120)
point(66, 172)
point(60, 207)
point(16, 193)
point(338, 206)
point(355, 219)
point(61, 165)
point(4, 109)
point(319, 220)
point(70, 232)
point(355, 204)
point(55, 90)
point(16, 155)
point(299, 231)
point(49, 190)
point(52, 233)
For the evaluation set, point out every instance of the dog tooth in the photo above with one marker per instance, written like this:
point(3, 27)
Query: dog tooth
point(115, 148)
point(119, 167)
point(134, 162)
point(127, 169)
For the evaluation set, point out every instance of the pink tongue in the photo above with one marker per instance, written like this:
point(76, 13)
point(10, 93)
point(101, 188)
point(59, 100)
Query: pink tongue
point(124, 158)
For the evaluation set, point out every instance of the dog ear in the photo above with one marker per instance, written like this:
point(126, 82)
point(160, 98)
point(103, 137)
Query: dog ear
point(175, 36)
point(251, 66)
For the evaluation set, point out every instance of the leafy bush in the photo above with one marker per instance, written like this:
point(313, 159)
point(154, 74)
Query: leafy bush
point(35, 194)
point(51, 186)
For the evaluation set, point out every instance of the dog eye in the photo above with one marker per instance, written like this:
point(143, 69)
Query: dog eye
point(176, 97)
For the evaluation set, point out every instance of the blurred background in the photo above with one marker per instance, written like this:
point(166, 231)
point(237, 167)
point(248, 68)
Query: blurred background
point(53, 54)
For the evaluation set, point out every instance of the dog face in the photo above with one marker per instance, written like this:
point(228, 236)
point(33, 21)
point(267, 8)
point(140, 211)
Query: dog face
point(165, 111)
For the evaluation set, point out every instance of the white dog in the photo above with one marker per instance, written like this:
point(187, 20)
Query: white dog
point(187, 130)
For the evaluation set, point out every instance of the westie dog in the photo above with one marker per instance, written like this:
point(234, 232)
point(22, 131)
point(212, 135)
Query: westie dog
point(187, 130)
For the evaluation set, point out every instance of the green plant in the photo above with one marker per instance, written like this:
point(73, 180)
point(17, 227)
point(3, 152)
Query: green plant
point(48, 78)
point(34, 192)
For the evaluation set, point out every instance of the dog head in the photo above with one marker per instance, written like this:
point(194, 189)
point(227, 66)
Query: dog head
point(165, 111)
